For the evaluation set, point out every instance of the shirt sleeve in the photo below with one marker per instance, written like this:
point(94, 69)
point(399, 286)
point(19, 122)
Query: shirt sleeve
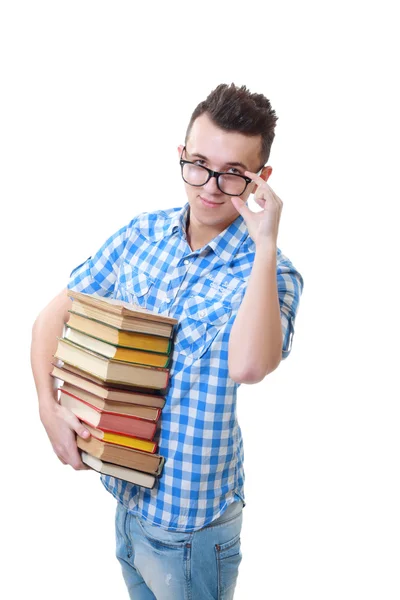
point(290, 287)
point(98, 274)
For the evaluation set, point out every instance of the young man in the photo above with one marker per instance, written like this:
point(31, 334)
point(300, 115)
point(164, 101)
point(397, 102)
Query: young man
point(215, 266)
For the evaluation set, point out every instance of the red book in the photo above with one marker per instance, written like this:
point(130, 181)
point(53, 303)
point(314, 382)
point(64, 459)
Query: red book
point(149, 413)
point(110, 422)
point(122, 393)
point(125, 441)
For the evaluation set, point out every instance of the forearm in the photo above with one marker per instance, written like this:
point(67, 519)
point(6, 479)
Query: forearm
point(44, 343)
point(61, 425)
point(255, 343)
point(47, 327)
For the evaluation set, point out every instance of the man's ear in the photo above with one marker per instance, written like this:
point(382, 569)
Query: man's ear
point(180, 148)
point(265, 174)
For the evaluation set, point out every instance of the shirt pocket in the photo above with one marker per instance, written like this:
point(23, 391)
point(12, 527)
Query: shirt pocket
point(134, 286)
point(199, 323)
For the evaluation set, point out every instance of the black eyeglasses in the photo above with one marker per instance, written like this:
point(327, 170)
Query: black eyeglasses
point(227, 183)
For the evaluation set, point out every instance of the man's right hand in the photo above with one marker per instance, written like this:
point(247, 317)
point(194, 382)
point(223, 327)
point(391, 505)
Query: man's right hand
point(62, 426)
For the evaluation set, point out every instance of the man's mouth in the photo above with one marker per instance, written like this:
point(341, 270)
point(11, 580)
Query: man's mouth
point(207, 202)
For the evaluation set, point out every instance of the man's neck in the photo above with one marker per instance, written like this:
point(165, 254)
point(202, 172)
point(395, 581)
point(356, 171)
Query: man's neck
point(197, 240)
point(198, 236)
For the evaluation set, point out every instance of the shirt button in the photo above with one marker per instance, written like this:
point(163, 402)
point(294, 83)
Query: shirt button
point(202, 313)
point(168, 300)
point(186, 261)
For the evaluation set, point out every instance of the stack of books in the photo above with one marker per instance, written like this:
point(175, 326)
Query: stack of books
point(115, 364)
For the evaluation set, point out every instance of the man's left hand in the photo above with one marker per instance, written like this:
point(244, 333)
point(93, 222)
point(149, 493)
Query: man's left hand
point(262, 225)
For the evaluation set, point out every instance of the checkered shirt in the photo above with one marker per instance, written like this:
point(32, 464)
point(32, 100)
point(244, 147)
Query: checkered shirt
point(149, 262)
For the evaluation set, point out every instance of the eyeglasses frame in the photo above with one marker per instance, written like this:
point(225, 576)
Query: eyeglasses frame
point(211, 174)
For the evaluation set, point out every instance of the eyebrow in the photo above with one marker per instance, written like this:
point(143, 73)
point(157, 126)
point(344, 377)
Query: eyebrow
point(228, 164)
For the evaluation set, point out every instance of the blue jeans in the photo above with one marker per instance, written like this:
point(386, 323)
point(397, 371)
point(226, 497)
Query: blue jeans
point(168, 565)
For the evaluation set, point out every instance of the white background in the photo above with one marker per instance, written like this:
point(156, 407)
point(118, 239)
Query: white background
point(95, 99)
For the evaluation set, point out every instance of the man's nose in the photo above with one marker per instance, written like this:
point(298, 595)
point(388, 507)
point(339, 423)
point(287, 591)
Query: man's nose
point(211, 186)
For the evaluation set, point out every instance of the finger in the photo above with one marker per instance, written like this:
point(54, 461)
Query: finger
point(68, 454)
point(75, 460)
point(241, 207)
point(256, 178)
point(81, 465)
point(260, 201)
point(271, 204)
point(76, 425)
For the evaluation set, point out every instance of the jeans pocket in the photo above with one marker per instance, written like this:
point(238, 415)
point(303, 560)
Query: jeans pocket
point(161, 538)
point(120, 519)
point(228, 558)
point(123, 544)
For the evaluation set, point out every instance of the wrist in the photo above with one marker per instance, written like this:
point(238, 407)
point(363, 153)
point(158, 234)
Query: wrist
point(47, 403)
point(267, 249)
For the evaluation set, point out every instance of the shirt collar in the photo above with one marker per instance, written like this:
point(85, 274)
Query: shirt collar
point(225, 244)
point(171, 225)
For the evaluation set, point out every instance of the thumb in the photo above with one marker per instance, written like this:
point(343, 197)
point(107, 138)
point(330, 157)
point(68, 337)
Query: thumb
point(241, 207)
point(82, 432)
point(79, 427)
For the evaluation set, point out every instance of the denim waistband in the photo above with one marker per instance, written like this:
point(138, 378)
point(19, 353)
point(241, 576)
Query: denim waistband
point(232, 511)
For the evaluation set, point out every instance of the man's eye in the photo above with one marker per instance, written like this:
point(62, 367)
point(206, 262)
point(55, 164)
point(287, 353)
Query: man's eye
point(199, 161)
point(235, 171)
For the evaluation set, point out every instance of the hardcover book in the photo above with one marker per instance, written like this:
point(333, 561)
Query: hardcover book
point(110, 370)
point(122, 314)
point(119, 337)
point(125, 457)
point(153, 359)
point(106, 421)
point(136, 477)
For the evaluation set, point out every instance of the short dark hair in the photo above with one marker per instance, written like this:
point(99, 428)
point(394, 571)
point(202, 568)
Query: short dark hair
point(234, 108)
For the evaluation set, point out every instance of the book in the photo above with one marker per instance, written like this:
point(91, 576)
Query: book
point(117, 388)
point(119, 337)
point(122, 440)
point(125, 457)
point(122, 314)
point(115, 352)
point(130, 475)
point(110, 370)
point(82, 380)
point(142, 412)
point(108, 422)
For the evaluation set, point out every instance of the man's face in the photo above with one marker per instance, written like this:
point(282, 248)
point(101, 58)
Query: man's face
point(211, 147)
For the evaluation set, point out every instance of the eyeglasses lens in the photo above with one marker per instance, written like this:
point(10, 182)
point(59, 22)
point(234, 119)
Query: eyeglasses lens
point(228, 183)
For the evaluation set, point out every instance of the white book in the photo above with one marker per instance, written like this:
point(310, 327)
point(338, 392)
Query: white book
point(131, 475)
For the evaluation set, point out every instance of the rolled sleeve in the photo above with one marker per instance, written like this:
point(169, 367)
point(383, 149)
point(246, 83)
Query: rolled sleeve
point(290, 287)
point(98, 274)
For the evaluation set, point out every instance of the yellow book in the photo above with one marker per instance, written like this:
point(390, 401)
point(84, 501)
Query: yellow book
point(141, 357)
point(122, 440)
point(118, 337)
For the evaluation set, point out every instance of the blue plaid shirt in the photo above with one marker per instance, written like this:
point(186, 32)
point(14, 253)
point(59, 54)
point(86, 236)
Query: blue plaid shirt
point(149, 262)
